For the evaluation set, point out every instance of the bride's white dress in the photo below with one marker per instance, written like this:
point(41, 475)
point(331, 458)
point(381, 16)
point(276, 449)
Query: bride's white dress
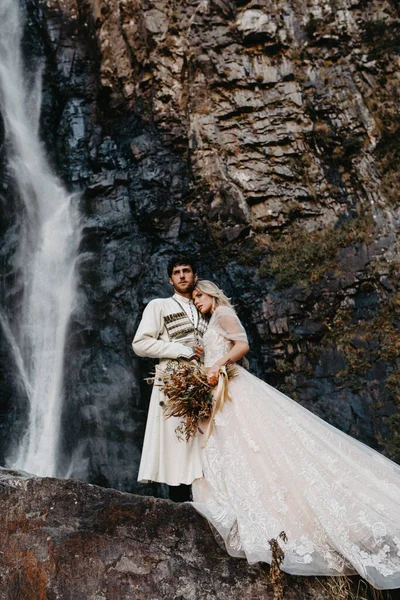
point(270, 465)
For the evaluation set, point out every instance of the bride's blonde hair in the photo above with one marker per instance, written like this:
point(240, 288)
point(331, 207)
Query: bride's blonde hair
point(217, 295)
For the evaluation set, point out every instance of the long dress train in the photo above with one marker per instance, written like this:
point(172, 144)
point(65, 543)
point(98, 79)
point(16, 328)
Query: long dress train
point(270, 465)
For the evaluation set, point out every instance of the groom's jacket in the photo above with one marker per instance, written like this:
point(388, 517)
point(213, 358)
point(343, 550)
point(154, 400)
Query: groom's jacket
point(169, 329)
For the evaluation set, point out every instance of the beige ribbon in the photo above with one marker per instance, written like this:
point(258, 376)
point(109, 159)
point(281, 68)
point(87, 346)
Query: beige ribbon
point(221, 394)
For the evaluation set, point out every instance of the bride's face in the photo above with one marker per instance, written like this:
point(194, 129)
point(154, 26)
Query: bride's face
point(203, 302)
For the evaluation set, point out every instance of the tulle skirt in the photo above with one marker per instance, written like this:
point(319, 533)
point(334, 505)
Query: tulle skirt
point(270, 466)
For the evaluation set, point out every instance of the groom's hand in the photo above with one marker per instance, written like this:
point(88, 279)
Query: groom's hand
point(198, 350)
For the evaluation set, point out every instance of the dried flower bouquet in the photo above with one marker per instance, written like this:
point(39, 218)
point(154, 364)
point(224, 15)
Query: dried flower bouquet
point(188, 395)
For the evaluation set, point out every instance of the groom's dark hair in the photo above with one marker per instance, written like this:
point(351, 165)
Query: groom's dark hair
point(178, 260)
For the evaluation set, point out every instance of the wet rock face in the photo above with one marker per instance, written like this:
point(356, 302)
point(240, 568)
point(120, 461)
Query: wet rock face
point(68, 540)
point(262, 136)
point(269, 98)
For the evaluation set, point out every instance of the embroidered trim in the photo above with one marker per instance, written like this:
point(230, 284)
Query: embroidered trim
point(174, 317)
point(178, 326)
point(202, 325)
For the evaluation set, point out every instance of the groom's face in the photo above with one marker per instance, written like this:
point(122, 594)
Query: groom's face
point(183, 279)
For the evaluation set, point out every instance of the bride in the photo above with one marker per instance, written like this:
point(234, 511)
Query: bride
point(270, 465)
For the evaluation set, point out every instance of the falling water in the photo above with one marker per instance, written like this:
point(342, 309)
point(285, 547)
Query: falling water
point(49, 239)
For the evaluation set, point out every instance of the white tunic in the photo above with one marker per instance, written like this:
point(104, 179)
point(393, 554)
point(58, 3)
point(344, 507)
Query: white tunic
point(167, 332)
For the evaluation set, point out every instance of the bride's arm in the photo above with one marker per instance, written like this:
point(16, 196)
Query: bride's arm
point(238, 350)
point(227, 323)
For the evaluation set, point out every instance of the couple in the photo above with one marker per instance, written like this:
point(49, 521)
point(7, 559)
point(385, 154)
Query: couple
point(269, 464)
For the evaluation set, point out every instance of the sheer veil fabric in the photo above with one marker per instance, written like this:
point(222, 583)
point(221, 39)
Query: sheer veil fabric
point(270, 465)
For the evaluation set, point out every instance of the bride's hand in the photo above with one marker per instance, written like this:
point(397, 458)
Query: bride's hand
point(212, 375)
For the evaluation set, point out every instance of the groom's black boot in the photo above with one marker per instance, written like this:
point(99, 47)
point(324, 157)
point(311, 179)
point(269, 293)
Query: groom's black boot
point(179, 493)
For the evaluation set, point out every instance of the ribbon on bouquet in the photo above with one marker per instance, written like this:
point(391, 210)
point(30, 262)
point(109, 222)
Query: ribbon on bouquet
point(221, 395)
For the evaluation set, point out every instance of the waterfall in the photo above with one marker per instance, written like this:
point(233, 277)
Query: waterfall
point(48, 247)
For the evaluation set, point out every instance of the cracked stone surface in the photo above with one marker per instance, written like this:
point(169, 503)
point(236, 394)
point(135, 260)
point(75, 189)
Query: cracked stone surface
point(67, 540)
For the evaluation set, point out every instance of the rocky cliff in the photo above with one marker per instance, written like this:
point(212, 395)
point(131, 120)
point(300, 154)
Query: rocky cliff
point(68, 540)
point(260, 135)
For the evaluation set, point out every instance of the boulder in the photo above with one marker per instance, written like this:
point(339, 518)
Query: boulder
point(69, 540)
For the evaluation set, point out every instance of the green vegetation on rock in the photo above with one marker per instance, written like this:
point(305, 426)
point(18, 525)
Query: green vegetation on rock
point(303, 256)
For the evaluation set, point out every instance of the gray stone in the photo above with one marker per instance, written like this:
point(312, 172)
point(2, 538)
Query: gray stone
point(70, 540)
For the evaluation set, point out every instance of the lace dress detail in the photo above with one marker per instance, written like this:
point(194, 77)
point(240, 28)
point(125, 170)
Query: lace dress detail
point(270, 466)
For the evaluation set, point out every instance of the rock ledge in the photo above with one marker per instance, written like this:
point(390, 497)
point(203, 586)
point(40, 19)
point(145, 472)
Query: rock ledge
point(64, 539)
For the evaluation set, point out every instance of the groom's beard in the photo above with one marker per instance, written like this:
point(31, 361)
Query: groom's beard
point(184, 288)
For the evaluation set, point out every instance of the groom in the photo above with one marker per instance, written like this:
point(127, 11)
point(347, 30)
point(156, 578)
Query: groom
point(170, 329)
